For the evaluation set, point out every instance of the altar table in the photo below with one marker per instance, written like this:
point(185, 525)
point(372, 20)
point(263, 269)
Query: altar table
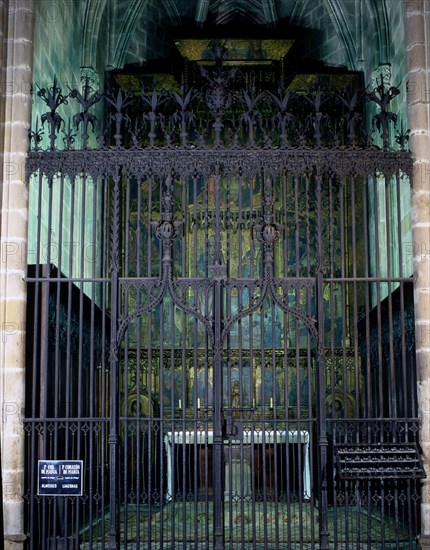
point(249, 437)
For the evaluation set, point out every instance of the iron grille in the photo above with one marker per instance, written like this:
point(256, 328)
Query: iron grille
point(233, 328)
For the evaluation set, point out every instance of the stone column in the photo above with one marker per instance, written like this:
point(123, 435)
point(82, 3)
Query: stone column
point(417, 40)
point(15, 103)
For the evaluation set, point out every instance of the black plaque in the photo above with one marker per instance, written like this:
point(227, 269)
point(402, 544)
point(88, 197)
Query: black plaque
point(59, 477)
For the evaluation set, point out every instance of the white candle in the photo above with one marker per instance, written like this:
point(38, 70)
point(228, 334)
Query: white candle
point(180, 404)
point(198, 402)
point(271, 402)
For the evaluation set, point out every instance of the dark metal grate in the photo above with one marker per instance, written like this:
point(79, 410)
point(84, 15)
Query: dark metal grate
point(380, 461)
point(219, 326)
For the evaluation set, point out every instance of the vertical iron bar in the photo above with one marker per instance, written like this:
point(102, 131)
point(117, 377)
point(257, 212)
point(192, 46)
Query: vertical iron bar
point(392, 387)
point(406, 412)
point(141, 424)
point(378, 284)
point(343, 216)
point(368, 401)
point(113, 439)
point(92, 412)
point(36, 188)
point(57, 361)
point(354, 240)
point(123, 403)
point(82, 386)
point(320, 372)
point(218, 455)
point(44, 360)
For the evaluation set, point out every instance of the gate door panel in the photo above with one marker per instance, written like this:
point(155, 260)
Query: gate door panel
point(217, 360)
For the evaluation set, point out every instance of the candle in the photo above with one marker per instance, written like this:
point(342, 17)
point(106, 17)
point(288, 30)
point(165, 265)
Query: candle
point(180, 404)
point(271, 402)
point(198, 402)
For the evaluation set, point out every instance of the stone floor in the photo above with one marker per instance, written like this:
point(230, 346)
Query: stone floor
point(292, 527)
point(250, 546)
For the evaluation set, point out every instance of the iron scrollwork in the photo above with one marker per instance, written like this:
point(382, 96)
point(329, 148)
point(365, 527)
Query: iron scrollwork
point(166, 230)
point(267, 233)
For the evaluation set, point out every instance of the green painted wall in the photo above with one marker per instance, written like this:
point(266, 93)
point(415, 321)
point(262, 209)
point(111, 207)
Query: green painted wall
point(58, 52)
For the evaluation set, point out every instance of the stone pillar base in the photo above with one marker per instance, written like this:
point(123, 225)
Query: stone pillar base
point(424, 542)
point(14, 542)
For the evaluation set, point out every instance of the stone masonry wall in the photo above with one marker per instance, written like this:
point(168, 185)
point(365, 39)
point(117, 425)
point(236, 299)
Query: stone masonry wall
point(17, 54)
point(417, 30)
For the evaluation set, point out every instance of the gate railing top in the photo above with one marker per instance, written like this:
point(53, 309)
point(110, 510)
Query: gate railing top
point(216, 114)
point(183, 163)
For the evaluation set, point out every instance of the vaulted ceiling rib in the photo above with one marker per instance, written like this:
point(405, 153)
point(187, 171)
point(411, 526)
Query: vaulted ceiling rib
point(92, 17)
point(202, 10)
point(269, 10)
point(127, 28)
point(340, 23)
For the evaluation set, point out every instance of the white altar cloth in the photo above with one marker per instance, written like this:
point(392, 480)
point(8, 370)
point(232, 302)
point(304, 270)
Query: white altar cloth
point(249, 437)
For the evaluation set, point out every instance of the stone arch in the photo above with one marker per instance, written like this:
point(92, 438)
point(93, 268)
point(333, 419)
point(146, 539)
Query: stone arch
point(342, 24)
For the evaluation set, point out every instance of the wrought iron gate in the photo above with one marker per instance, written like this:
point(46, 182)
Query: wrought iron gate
point(222, 330)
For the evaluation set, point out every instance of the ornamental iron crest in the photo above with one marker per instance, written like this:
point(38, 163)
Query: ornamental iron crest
point(167, 229)
point(224, 109)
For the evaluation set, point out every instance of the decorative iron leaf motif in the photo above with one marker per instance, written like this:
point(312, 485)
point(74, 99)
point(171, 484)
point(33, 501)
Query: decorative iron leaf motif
point(36, 137)
point(383, 97)
point(167, 229)
point(119, 101)
point(222, 115)
point(53, 98)
point(86, 100)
